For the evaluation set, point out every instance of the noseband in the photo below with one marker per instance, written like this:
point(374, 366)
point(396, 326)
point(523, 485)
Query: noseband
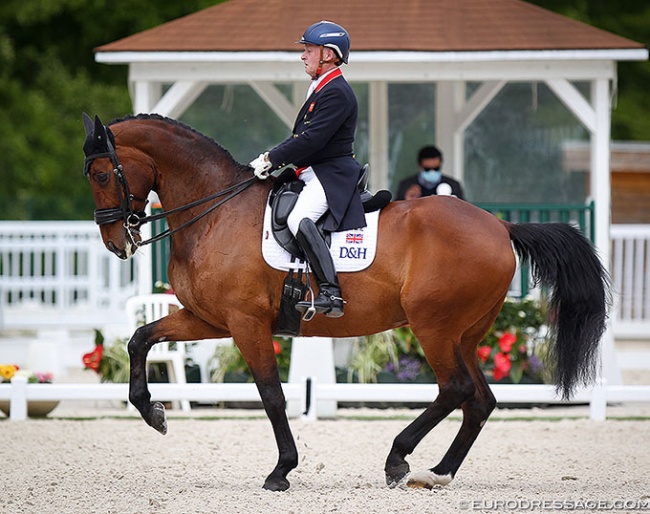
point(132, 218)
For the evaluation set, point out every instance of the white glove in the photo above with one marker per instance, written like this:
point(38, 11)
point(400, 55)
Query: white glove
point(261, 166)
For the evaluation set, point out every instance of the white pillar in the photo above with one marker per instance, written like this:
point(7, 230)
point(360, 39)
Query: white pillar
point(378, 134)
point(312, 357)
point(601, 192)
point(144, 96)
point(18, 399)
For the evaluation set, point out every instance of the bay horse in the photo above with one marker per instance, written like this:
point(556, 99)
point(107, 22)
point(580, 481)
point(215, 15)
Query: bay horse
point(443, 266)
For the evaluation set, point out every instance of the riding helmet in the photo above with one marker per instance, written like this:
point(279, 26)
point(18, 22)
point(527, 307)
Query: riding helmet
point(331, 35)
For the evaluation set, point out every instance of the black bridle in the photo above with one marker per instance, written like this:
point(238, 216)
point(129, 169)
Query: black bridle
point(133, 219)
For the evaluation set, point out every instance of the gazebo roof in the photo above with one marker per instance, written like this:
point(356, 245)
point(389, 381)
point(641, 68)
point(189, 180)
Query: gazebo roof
point(374, 25)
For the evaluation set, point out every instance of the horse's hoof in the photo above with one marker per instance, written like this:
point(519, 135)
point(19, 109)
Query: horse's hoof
point(276, 484)
point(158, 419)
point(427, 480)
point(396, 474)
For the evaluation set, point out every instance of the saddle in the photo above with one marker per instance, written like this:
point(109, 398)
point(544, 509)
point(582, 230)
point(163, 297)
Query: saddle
point(282, 200)
point(284, 196)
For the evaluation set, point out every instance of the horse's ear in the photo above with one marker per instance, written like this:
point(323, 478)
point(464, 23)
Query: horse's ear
point(99, 133)
point(88, 124)
point(96, 139)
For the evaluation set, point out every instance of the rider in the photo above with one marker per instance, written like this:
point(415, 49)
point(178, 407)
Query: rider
point(321, 149)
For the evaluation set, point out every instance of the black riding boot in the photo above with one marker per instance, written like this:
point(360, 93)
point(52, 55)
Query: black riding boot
point(329, 300)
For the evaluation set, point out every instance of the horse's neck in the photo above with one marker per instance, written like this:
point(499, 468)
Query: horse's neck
point(182, 183)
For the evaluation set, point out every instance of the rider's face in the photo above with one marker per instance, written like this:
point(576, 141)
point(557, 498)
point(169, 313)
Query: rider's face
point(311, 57)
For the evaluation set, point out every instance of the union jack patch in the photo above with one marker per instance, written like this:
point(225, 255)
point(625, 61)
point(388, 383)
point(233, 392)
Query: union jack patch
point(354, 238)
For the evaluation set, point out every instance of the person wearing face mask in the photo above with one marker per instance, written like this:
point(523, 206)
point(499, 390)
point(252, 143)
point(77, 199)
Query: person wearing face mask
point(429, 180)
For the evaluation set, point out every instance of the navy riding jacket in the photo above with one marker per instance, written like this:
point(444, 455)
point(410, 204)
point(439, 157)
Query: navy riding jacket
point(322, 138)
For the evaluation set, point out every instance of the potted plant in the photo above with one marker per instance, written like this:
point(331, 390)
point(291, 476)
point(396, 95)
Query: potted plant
point(228, 365)
point(511, 352)
point(35, 408)
point(110, 362)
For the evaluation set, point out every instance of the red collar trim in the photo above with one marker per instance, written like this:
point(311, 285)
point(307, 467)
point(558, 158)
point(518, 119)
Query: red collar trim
point(328, 78)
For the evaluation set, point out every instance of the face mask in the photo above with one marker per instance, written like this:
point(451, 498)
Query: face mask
point(430, 176)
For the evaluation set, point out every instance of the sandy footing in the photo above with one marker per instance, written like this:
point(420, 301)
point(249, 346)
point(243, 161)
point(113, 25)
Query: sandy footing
point(120, 465)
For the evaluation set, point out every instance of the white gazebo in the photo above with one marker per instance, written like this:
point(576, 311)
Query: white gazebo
point(447, 42)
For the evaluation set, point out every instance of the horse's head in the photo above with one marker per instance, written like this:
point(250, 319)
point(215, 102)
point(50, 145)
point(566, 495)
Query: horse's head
point(119, 185)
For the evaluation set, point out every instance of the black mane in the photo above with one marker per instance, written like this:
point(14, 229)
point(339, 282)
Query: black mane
point(171, 121)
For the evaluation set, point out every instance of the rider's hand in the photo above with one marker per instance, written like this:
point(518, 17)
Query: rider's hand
point(261, 166)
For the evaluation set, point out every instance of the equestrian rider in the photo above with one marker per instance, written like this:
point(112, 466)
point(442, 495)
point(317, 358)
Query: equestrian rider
point(321, 149)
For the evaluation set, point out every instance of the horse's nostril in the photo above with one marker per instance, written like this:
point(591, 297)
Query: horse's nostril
point(120, 253)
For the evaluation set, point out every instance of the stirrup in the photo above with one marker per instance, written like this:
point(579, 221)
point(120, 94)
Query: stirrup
point(309, 312)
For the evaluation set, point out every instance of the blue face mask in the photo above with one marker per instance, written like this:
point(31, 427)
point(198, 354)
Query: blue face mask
point(430, 177)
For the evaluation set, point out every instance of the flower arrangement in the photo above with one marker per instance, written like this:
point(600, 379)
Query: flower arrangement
point(510, 350)
point(227, 361)
point(111, 363)
point(9, 371)
point(513, 346)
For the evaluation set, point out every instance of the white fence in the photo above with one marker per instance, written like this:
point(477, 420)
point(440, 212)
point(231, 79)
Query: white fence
point(58, 273)
point(19, 392)
point(631, 279)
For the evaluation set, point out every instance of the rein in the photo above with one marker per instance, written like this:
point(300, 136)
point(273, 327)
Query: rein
point(133, 219)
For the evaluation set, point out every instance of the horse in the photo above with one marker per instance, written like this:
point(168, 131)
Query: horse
point(442, 266)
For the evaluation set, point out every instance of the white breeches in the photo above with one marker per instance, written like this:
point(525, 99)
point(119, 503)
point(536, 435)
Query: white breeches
point(311, 203)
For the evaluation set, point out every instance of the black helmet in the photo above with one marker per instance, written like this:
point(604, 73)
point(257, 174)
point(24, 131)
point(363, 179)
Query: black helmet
point(331, 35)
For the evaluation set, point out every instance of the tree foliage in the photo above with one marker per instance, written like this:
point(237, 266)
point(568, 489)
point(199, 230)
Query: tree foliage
point(48, 77)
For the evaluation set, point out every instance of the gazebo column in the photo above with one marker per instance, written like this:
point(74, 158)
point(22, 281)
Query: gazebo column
point(595, 116)
point(450, 98)
point(378, 150)
point(145, 95)
point(601, 191)
point(455, 114)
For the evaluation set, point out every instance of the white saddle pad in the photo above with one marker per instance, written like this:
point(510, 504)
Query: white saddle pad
point(352, 250)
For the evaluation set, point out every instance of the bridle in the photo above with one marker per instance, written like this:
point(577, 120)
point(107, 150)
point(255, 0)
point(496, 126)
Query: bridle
point(134, 218)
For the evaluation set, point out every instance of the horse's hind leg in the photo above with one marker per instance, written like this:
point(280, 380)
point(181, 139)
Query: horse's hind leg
point(476, 409)
point(455, 386)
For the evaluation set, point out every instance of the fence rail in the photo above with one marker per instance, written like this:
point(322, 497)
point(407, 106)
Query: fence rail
point(58, 272)
point(631, 279)
point(310, 392)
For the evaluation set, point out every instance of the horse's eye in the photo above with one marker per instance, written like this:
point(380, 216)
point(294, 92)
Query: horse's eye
point(102, 178)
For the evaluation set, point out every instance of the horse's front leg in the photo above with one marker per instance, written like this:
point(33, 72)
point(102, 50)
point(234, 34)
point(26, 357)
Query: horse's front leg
point(275, 407)
point(179, 326)
point(139, 395)
point(258, 351)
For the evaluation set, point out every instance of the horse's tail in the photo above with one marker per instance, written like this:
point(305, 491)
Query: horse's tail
point(565, 261)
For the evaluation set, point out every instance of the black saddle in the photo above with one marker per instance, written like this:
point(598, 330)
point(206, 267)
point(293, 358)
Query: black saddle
point(284, 196)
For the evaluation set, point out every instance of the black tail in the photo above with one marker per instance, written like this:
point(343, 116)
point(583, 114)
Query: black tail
point(564, 261)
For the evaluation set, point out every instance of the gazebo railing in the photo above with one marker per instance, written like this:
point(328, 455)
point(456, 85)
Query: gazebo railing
point(582, 216)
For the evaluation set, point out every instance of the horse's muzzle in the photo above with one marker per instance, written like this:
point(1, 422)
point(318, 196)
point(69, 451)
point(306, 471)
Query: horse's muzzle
point(122, 254)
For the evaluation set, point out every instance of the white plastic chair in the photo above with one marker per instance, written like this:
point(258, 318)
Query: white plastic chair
point(143, 309)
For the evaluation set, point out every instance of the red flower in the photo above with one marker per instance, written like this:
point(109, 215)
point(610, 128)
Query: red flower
point(484, 352)
point(506, 341)
point(502, 365)
point(276, 347)
point(91, 360)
